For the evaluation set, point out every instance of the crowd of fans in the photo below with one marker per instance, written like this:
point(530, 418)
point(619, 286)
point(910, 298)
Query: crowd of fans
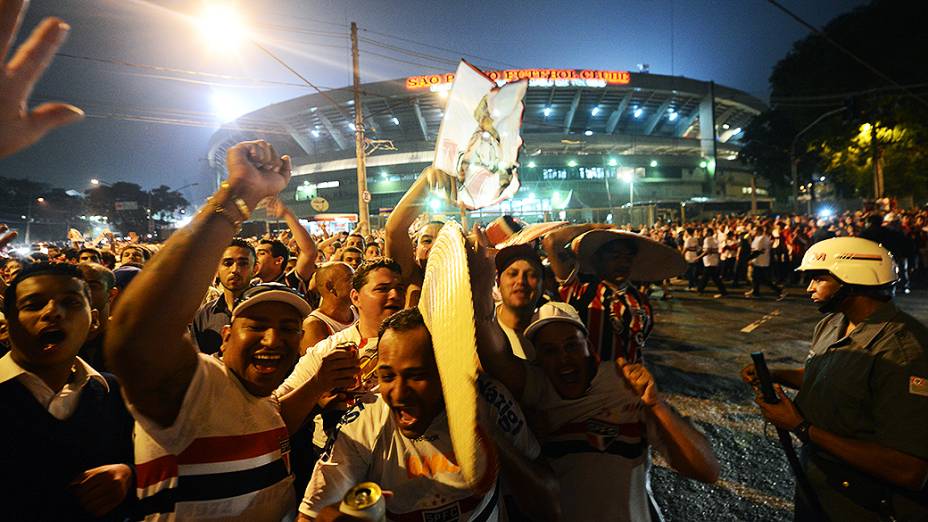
point(219, 377)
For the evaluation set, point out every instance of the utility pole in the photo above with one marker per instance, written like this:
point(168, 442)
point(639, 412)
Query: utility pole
point(363, 194)
point(877, 160)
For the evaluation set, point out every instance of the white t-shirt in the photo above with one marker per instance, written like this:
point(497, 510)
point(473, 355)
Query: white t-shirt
point(761, 243)
point(597, 445)
point(420, 472)
point(521, 347)
point(711, 247)
point(691, 249)
point(226, 457)
point(308, 366)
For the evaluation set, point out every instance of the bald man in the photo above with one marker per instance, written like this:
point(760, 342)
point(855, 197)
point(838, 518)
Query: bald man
point(335, 313)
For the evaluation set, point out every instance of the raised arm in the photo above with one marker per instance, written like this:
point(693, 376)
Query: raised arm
point(687, 449)
point(493, 348)
point(563, 261)
point(397, 244)
point(146, 345)
point(306, 261)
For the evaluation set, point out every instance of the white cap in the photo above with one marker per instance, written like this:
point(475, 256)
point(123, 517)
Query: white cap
point(553, 312)
point(271, 292)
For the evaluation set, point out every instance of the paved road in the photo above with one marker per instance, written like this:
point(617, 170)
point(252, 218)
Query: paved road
point(698, 346)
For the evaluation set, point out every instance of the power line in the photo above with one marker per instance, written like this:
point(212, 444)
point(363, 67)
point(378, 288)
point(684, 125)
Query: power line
point(846, 51)
point(400, 60)
point(432, 46)
point(409, 52)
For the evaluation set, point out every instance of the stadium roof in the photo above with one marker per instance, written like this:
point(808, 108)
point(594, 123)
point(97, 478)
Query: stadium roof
point(409, 111)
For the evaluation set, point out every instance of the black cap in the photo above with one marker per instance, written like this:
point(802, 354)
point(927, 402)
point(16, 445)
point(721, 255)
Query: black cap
point(510, 254)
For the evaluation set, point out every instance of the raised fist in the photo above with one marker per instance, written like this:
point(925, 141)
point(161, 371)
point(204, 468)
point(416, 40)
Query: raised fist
point(256, 171)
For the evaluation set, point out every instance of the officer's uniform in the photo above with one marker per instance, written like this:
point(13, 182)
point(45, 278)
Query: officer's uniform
point(870, 385)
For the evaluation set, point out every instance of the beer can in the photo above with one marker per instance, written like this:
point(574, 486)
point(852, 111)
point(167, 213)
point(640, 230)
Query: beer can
point(365, 501)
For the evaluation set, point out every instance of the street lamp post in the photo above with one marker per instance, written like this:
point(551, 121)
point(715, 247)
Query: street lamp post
point(794, 161)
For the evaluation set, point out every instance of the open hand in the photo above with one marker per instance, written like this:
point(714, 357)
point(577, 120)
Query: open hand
point(640, 380)
point(100, 490)
point(19, 126)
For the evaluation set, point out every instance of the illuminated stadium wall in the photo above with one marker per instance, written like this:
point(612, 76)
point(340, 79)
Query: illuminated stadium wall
point(587, 134)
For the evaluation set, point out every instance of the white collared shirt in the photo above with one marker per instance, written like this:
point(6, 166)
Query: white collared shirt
point(61, 404)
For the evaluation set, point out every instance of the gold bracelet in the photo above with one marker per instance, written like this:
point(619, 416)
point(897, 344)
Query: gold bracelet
point(239, 202)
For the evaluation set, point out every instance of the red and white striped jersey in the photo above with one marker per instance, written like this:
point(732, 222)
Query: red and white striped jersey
point(225, 457)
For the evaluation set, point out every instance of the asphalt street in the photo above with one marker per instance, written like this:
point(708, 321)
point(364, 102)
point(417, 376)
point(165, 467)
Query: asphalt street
point(696, 351)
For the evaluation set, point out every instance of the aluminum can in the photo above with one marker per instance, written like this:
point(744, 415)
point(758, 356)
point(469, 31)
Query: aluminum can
point(365, 501)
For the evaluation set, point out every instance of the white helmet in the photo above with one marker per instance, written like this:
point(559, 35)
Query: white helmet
point(853, 260)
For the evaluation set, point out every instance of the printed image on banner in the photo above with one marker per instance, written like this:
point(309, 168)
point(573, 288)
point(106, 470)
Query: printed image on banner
point(478, 142)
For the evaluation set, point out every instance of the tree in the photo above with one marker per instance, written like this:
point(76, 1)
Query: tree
point(126, 205)
point(816, 77)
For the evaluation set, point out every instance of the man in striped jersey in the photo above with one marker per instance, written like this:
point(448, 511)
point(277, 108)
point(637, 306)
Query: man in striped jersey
point(617, 315)
point(210, 441)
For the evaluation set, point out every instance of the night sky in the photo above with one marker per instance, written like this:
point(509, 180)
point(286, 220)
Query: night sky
point(734, 42)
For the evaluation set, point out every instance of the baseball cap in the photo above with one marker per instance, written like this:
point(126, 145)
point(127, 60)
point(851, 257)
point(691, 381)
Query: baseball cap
point(266, 292)
point(552, 312)
point(124, 275)
point(511, 254)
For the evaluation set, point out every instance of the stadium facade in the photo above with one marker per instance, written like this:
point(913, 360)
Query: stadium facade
point(588, 135)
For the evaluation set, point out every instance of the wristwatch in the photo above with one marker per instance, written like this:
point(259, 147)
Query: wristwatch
point(802, 431)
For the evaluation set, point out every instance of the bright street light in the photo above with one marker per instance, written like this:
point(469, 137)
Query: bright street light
point(221, 26)
point(40, 200)
point(94, 181)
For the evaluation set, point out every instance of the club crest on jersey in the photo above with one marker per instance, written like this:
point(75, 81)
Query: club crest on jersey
point(600, 433)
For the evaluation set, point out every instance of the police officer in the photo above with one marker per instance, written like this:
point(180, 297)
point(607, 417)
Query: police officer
point(862, 407)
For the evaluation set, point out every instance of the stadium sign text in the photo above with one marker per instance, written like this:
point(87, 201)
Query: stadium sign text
point(536, 78)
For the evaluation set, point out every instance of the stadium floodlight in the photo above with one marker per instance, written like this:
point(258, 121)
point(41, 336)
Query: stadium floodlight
point(725, 126)
point(434, 204)
point(572, 163)
point(627, 176)
point(653, 163)
point(595, 110)
point(352, 126)
point(587, 132)
point(531, 164)
point(702, 164)
point(821, 178)
point(395, 120)
point(672, 116)
point(546, 111)
point(315, 133)
point(613, 162)
point(221, 26)
point(638, 112)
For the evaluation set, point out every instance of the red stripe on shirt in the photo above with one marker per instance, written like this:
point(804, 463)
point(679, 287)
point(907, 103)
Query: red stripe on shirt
point(205, 450)
point(155, 471)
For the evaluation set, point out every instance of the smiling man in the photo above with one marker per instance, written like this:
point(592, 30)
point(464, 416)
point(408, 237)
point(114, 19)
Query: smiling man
point(401, 441)
point(66, 433)
point(596, 421)
point(211, 442)
point(377, 293)
point(520, 278)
